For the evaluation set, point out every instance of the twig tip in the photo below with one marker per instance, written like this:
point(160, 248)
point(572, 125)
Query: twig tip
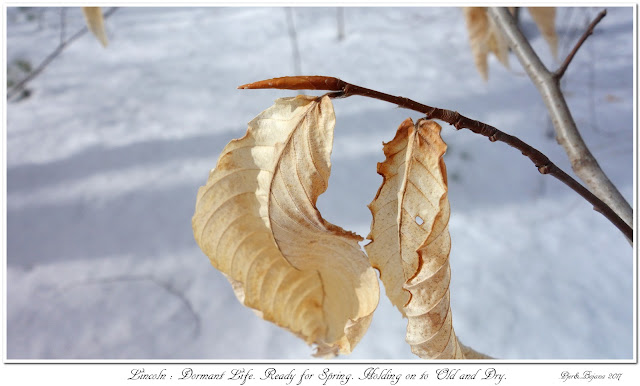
point(297, 83)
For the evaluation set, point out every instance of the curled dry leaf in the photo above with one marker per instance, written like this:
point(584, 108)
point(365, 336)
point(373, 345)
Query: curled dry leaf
point(484, 38)
point(410, 241)
point(95, 23)
point(256, 220)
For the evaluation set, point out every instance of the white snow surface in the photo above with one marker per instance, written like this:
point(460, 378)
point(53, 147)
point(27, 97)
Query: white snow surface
point(105, 157)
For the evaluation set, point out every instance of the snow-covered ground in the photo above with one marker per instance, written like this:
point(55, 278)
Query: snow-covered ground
point(105, 157)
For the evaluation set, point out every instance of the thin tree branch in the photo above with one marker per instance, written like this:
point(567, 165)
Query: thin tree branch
point(293, 36)
point(582, 161)
point(150, 278)
point(545, 166)
point(63, 24)
point(340, 22)
point(560, 71)
point(63, 44)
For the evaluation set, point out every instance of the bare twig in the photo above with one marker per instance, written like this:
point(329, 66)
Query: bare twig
point(150, 278)
point(340, 22)
point(560, 71)
point(63, 44)
point(545, 166)
point(63, 24)
point(293, 36)
point(582, 161)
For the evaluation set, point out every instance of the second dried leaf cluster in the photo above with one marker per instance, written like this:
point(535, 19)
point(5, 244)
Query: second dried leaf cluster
point(256, 219)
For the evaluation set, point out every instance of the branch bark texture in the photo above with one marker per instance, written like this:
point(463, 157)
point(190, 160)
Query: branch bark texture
point(343, 89)
point(582, 161)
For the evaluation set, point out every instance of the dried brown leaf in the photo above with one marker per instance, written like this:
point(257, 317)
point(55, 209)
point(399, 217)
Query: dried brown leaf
point(395, 234)
point(484, 38)
point(545, 19)
point(409, 236)
point(95, 23)
point(498, 44)
point(478, 30)
point(256, 220)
